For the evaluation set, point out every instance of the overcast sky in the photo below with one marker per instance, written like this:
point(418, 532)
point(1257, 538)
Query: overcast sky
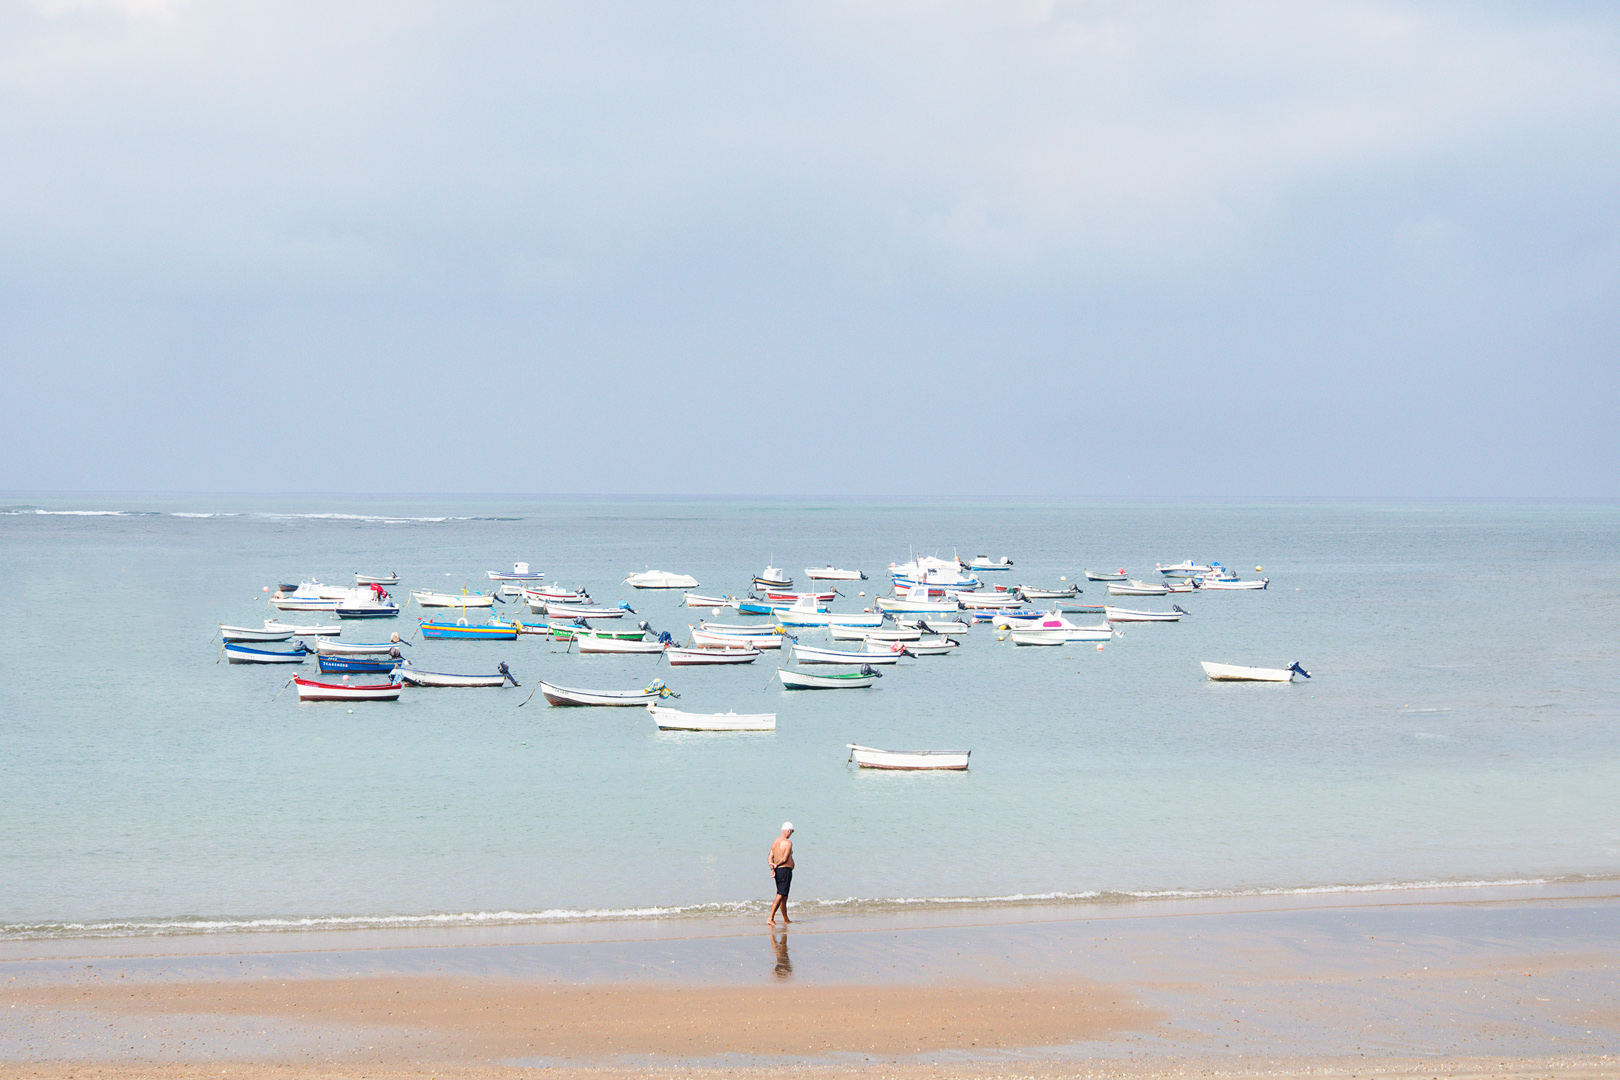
point(1028, 250)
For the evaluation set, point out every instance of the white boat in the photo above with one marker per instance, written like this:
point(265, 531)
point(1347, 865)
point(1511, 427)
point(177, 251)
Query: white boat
point(1054, 623)
point(390, 578)
point(1105, 575)
point(748, 629)
point(1038, 637)
point(309, 690)
point(1180, 585)
point(1183, 569)
point(789, 597)
point(925, 647)
point(1012, 620)
point(358, 648)
point(832, 573)
point(861, 633)
point(772, 577)
point(661, 579)
point(1234, 673)
point(990, 601)
point(566, 695)
point(1117, 614)
point(945, 626)
point(312, 630)
point(382, 608)
point(697, 656)
point(928, 570)
point(1029, 592)
point(809, 680)
point(985, 562)
point(736, 641)
point(915, 599)
point(415, 677)
point(590, 643)
point(578, 612)
point(1137, 588)
point(553, 594)
point(886, 653)
point(806, 612)
point(868, 757)
point(294, 601)
point(451, 600)
point(244, 654)
point(695, 600)
point(675, 720)
point(252, 633)
point(1209, 585)
point(520, 572)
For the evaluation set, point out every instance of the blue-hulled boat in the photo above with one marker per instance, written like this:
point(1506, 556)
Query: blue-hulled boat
point(241, 654)
point(754, 607)
point(494, 631)
point(357, 663)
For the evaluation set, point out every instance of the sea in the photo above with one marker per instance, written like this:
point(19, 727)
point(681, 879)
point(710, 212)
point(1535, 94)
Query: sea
point(1460, 728)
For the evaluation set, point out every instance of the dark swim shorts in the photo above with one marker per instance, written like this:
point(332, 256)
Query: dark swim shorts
point(784, 880)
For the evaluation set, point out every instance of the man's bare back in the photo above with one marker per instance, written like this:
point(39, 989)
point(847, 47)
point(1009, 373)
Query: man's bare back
point(781, 863)
point(782, 853)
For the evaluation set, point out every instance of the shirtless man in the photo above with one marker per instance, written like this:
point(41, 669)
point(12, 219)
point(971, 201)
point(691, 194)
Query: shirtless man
point(781, 861)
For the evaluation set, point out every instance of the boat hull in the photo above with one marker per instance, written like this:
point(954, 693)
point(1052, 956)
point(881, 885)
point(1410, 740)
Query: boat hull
point(806, 680)
point(241, 654)
point(868, 757)
point(567, 695)
point(309, 690)
point(1116, 614)
point(413, 677)
point(806, 654)
point(1235, 673)
point(469, 633)
point(248, 633)
point(832, 573)
point(676, 720)
point(450, 600)
point(334, 665)
point(695, 657)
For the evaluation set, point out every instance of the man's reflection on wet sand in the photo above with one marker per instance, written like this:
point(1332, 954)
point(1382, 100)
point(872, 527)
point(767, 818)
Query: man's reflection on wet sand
point(784, 963)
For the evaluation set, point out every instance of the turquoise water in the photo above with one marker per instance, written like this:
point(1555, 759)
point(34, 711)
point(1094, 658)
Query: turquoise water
point(1460, 727)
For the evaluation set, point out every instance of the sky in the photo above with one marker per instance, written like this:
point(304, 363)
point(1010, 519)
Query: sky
point(1030, 250)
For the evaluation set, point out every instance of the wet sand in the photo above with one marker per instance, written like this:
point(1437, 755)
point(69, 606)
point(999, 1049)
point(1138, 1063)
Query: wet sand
point(1455, 983)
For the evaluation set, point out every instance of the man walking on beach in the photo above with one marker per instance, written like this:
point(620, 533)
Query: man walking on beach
point(781, 860)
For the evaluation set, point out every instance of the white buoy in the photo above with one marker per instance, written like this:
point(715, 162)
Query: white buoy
point(1099, 647)
point(860, 594)
point(265, 589)
point(1065, 578)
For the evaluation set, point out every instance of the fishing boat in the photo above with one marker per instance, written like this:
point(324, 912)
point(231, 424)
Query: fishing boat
point(361, 648)
point(944, 626)
point(312, 630)
point(861, 633)
point(832, 573)
point(914, 599)
point(309, 690)
point(868, 757)
point(250, 633)
point(695, 600)
point(759, 607)
point(295, 601)
point(669, 719)
point(1183, 569)
point(810, 680)
point(1054, 623)
point(807, 654)
point(591, 643)
point(520, 572)
point(1137, 588)
point(772, 578)
point(566, 695)
point(985, 562)
point(1217, 585)
point(699, 655)
point(367, 609)
point(990, 601)
point(783, 597)
point(1234, 673)
point(540, 628)
point(555, 594)
point(243, 654)
point(413, 677)
point(1029, 592)
point(574, 611)
point(1180, 585)
point(426, 598)
point(1116, 614)
point(1105, 575)
point(390, 578)
point(928, 570)
point(736, 641)
point(566, 631)
point(661, 579)
point(751, 629)
point(494, 631)
point(1013, 620)
point(1038, 637)
point(332, 665)
point(806, 612)
point(925, 647)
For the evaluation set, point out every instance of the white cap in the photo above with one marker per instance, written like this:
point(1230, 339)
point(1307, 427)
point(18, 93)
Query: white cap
point(787, 826)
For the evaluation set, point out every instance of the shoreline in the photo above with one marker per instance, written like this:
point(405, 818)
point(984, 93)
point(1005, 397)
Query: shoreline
point(1461, 983)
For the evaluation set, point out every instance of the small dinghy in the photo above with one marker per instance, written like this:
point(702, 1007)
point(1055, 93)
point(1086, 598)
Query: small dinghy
point(567, 695)
point(520, 572)
point(413, 677)
point(808, 654)
point(1038, 637)
point(495, 631)
point(367, 609)
point(1223, 585)
point(772, 578)
point(899, 633)
point(344, 665)
point(944, 626)
point(425, 598)
point(985, 562)
point(1183, 569)
point(929, 648)
point(674, 720)
point(696, 656)
point(390, 578)
point(361, 648)
point(695, 600)
point(1105, 575)
point(660, 579)
point(749, 629)
point(809, 680)
point(594, 643)
point(1030, 592)
point(992, 601)
point(309, 690)
point(1137, 588)
point(313, 630)
point(868, 757)
point(832, 573)
point(737, 641)
point(249, 633)
point(1118, 614)
point(242, 654)
point(1234, 673)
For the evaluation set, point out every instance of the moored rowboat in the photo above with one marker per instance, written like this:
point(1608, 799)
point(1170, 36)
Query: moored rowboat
point(444, 678)
point(1234, 673)
point(309, 690)
point(496, 631)
point(807, 680)
point(241, 654)
point(674, 720)
point(868, 757)
point(567, 695)
point(464, 600)
point(711, 654)
point(250, 633)
point(807, 654)
point(1116, 614)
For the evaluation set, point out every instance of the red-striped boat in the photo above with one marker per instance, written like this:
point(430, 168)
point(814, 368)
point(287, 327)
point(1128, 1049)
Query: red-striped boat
point(309, 690)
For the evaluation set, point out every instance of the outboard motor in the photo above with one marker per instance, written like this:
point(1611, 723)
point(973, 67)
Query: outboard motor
point(625, 605)
point(642, 625)
point(1295, 667)
point(1181, 609)
point(665, 639)
point(504, 670)
point(867, 669)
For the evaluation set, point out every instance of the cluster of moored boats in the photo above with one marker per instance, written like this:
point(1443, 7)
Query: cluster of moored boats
point(931, 600)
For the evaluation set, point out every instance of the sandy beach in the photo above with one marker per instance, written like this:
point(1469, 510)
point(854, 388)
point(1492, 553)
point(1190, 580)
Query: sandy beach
point(1457, 983)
